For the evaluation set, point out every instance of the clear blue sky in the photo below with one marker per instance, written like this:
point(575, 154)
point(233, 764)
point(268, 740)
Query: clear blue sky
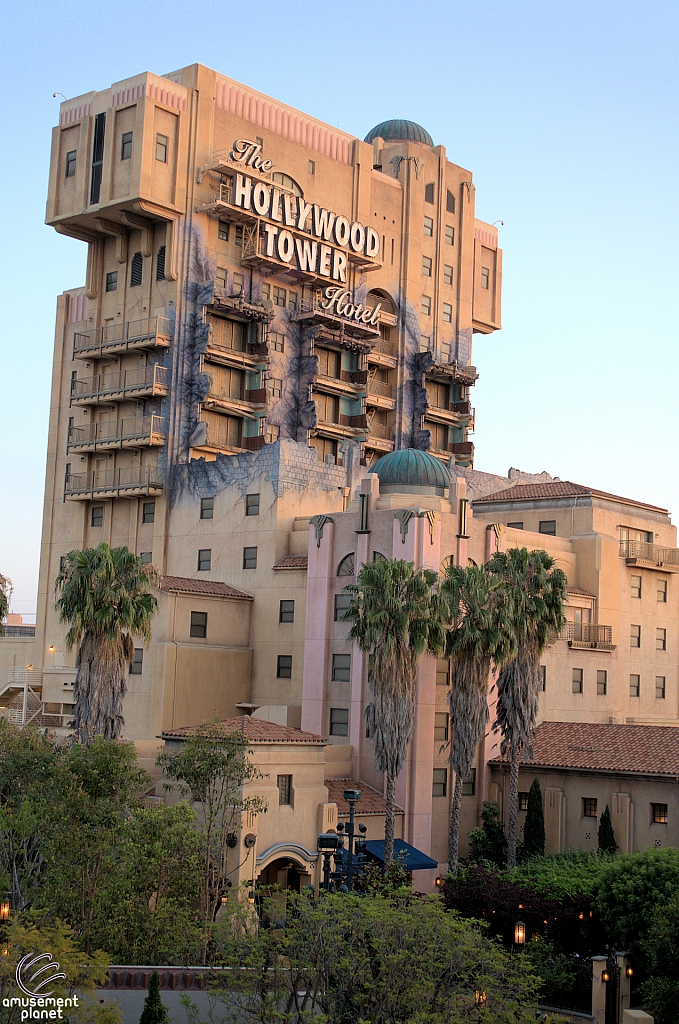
point(565, 112)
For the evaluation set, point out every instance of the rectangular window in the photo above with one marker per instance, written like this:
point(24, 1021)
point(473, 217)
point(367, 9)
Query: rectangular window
point(223, 231)
point(450, 201)
point(339, 721)
point(70, 163)
point(220, 280)
point(284, 666)
point(251, 504)
point(445, 351)
point(439, 785)
point(469, 784)
point(523, 801)
point(429, 192)
point(429, 227)
point(284, 783)
point(543, 678)
point(204, 559)
point(272, 433)
point(126, 146)
point(286, 611)
point(601, 682)
point(440, 725)
point(97, 157)
point(442, 672)
point(588, 807)
point(97, 518)
point(276, 387)
point(548, 526)
point(425, 342)
point(293, 301)
point(449, 234)
point(341, 668)
point(277, 342)
point(239, 234)
point(160, 264)
point(447, 313)
point(136, 270)
point(635, 586)
point(485, 277)
point(635, 636)
point(312, 167)
point(661, 590)
point(634, 685)
point(207, 508)
point(279, 296)
point(426, 305)
point(578, 674)
point(427, 264)
point(137, 662)
point(447, 274)
point(146, 557)
point(661, 639)
point(148, 512)
point(660, 687)
point(249, 558)
point(238, 284)
point(198, 624)
point(515, 526)
point(659, 814)
point(265, 291)
point(112, 281)
point(342, 602)
point(161, 148)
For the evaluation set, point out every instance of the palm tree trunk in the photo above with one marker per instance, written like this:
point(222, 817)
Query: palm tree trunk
point(513, 805)
point(454, 833)
point(389, 820)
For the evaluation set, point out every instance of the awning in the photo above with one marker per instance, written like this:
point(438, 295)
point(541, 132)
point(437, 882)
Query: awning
point(407, 855)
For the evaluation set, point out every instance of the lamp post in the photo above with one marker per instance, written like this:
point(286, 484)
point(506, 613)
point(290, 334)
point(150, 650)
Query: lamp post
point(519, 933)
point(331, 844)
point(327, 844)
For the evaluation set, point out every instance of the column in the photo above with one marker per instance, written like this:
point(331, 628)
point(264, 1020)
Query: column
point(317, 623)
point(359, 667)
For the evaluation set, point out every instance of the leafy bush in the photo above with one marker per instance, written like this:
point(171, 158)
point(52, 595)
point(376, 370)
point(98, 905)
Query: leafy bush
point(562, 876)
point(488, 845)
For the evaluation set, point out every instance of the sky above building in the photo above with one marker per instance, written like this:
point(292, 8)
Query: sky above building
point(565, 112)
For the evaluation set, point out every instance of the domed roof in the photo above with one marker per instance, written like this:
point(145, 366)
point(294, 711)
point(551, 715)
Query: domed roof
point(411, 471)
point(399, 129)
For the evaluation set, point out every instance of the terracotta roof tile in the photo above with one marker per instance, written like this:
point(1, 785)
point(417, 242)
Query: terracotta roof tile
point(579, 592)
point(186, 585)
point(257, 730)
point(371, 802)
point(293, 562)
point(555, 489)
point(632, 749)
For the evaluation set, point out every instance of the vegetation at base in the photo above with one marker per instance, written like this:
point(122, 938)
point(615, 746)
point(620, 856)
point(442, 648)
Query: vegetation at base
point(606, 835)
point(534, 826)
point(488, 844)
point(561, 876)
point(155, 1011)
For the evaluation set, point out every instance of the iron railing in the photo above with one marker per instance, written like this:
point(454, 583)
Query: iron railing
point(645, 552)
point(140, 479)
point(140, 428)
point(590, 633)
point(382, 430)
point(122, 383)
point(154, 330)
point(381, 388)
point(16, 631)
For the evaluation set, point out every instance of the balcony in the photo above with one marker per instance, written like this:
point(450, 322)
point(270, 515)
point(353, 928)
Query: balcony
point(462, 450)
point(313, 313)
point(588, 636)
point(138, 432)
point(381, 395)
point(249, 359)
point(121, 385)
point(129, 336)
point(453, 372)
point(359, 422)
point(127, 482)
point(242, 307)
point(452, 415)
point(253, 444)
point(636, 552)
point(350, 382)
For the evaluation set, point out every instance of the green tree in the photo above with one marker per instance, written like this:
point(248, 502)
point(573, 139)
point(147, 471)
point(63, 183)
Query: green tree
point(211, 767)
point(606, 835)
point(660, 992)
point(534, 827)
point(489, 844)
point(104, 594)
point(155, 1011)
point(537, 591)
point(481, 635)
point(396, 618)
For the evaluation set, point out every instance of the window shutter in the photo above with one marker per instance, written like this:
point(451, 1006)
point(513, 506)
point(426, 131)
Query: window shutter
point(450, 201)
point(160, 264)
point(136, 270)
point(429, 192)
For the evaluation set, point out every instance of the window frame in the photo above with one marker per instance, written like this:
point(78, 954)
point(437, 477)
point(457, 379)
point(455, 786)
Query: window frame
point(148, 512)
point(251, 504)
point(337, 727)
point(545, 523)
point(427, 266)
point(523, 800)
point(126, 142)
point(346, 599)
point(426, 305)
point(337, 668)
point(204, 560)
point(659, 814)
point(601, 682)
point(439, 782)
point(137, 663)
point(163, 145)
point(660, 690)
point(447, 313)
point(635, 636)
point(441, 726)
point(660, 638)
point(577, 681)
point(428, 227)
point(635, 676)
point(249, 557)
point(98, 509)
point(284, 787)
point(112, 281)
point(590, 804)
point(658, 591)
point(469, 784)
point(288, 612)
point(485, 278)
point(207, 505)
point(635, 587)
point(71, 163)
point(198, 625)
point(449, 234)
point(283, 666)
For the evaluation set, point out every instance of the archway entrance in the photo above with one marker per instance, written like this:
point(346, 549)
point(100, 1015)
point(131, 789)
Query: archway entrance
point(285, 874)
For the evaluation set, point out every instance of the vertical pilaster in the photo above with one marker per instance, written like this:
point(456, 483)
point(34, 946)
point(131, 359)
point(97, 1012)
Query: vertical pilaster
point(359, 667)
point(317, 624)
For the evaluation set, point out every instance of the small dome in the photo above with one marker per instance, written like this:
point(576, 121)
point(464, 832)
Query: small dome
point(411, 471)
point(400, 130)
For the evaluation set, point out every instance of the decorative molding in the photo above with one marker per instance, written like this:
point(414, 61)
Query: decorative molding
point(290, 849)
point(157, 93)
point(404, 515)
point(286, 121)
point(318, 522)
point(77, 307)
point(486, 234)
point(75, 113)
point(432, 518)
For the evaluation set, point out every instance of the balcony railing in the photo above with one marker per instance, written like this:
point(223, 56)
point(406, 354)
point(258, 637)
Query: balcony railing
point(253, 444)
point(130, 480)
point(387, 348)
point(382, 430)
point(641, 551)
point(461, 408)
point(121, 384)
point(588, 634)
point(462, 448)
point(132, 335)
point(359, 422)
point(381, 388)
point(126, 433)
point(16, 631)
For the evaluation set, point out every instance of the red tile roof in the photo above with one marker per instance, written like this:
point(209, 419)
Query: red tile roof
point(556, 489)
point(631, 749)
point(371, 802)
point(579, 592)
point(256, 729)
point(186, 585)
point(293, 562)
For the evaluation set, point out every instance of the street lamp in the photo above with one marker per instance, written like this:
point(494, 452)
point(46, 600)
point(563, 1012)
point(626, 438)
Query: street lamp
point(519, 933)
point(352, 796)
point(327, 844)
point(4, 910)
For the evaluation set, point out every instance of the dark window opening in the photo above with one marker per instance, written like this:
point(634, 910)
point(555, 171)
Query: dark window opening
point(339, 722)
point(341, 668)
point(71, 158)
point(548, 526)
point(284, 666)
point(126, 146)
point(284, 783)
point(589, 807)
point(97, 157)
point(112, 281)
point(136, 270)
point(439, 782)
point(146, 557)
point(249, 558)
point(160, 264)
point(523, 801)
point(207, 506)
point(659, 814)
point(198, 624)
point(251, 504)
point(429, 192)
point(342, 602)
point(204, 559)
point(469, 784)
point(97, 518)
point(450, 201)
point(137, 662)
point(148, 512)
point(287, 611)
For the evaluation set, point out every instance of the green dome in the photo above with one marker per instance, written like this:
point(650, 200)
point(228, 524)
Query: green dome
point(399, 130)
point(411, 471)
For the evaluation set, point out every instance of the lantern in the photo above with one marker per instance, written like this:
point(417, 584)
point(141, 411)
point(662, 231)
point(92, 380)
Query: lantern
point(519, 933)
point(628, 971)
point(481, 998)
point(4, 910)
point(606, 975)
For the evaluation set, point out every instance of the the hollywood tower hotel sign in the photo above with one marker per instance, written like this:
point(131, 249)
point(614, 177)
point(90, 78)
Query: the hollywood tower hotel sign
point(288, 221)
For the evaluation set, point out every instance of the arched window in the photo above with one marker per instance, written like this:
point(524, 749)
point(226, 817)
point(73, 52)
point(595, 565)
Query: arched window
point(470, 562)
point(387, 302)
point(347, 565)
point(287, 182)
point(379, 557)
point(445, 564)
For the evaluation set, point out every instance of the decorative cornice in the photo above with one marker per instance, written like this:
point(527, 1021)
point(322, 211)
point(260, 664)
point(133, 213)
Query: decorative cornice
point(318, 522)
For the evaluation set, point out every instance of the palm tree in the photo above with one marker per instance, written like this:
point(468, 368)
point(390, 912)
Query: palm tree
point(104, 594)
point(537, 591)
point(481, 635)
point(396, 618)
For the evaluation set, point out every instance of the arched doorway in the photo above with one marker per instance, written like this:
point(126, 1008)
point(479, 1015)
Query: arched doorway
point(285, 874)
